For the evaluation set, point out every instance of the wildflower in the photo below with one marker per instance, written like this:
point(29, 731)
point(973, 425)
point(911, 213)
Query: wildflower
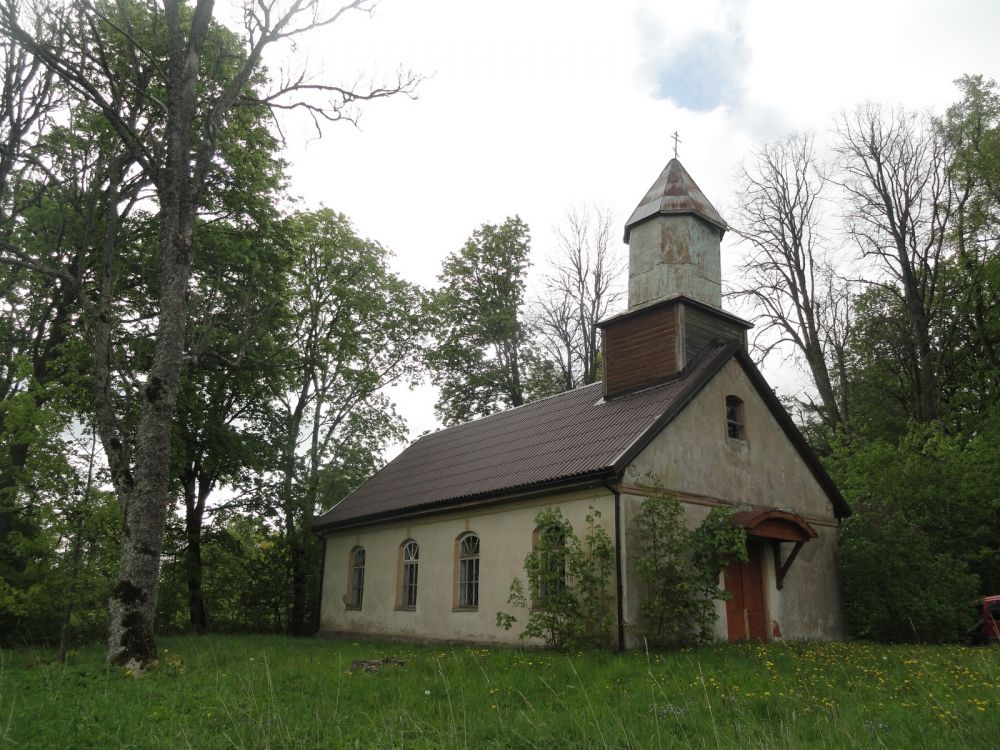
point(427, 692)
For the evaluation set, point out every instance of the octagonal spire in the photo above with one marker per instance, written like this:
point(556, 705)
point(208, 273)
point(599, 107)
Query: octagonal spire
point(674, 192)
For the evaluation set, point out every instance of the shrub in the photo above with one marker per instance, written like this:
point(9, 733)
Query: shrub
point(568, 578)
point(678, 570)
point(896, 587)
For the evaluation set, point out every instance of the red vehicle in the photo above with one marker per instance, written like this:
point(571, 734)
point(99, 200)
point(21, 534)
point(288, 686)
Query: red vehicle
point(987, 630)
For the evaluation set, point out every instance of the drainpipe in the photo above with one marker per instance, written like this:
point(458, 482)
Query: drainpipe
point(620, 606)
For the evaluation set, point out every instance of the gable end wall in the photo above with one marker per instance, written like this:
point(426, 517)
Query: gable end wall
point(695, 459)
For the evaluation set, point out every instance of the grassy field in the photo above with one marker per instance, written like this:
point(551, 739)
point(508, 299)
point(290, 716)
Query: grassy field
point(260, 692)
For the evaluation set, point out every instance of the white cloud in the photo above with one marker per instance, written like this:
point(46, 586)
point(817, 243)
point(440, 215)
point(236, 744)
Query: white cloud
point(698, 68)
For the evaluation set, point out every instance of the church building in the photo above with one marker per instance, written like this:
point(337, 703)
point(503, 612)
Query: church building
point(427, 548)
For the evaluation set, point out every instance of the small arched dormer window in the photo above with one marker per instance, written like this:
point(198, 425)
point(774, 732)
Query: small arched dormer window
point(735, 426)
point(409, 559)
point(467, 552)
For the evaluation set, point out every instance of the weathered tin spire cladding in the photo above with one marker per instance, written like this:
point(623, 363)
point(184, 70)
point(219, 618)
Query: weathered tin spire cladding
point(674, 289)
point(673, 238)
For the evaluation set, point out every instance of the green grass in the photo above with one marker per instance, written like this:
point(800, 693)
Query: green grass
point(258, 692)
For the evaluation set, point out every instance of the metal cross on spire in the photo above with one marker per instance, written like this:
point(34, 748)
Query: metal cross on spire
point(677, 139)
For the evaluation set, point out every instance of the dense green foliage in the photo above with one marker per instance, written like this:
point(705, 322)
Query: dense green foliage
point(569, 581)
point(905, 362)
point(678, 570)
point(110, 236)
point(483, 358)
point(923, 539)
point(267, 692)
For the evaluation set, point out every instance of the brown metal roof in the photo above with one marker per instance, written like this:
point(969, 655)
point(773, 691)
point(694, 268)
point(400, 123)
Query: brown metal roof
point(573, 435)
point(674, 192)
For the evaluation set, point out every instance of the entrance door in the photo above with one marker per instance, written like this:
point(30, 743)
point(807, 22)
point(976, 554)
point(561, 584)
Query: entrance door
point(745, 609)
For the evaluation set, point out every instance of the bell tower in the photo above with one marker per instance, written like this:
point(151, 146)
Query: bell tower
point(674, 287)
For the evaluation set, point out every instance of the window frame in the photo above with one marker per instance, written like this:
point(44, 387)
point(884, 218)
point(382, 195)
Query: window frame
point(735, 418)
point(354, 599)
point(408, 576)
point(558, 554)
point(467, 561)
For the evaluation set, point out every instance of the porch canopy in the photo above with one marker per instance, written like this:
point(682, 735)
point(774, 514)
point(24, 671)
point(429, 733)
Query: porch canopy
point(777, 526)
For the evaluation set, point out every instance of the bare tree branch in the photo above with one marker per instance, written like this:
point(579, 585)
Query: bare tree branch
point(785, 275)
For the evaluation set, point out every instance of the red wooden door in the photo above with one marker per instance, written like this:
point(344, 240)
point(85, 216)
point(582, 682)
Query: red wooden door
point(745, 615)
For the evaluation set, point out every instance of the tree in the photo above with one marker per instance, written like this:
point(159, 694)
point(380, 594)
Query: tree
point(787, 275)
point(34, 311)
point(579, 292)
point(236, 363)
point(168, 88)
point(482, 356)
point(893, 169)
point(972, 128)
point(355, 329)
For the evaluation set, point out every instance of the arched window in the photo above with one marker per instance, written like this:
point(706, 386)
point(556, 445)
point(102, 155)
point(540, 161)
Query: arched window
point(357, 578)
point(468, 572)
point(550, 549)
point(734, 418)
point(409, 559)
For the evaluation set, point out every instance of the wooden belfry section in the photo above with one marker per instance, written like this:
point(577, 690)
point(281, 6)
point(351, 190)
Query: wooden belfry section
point(649, 345)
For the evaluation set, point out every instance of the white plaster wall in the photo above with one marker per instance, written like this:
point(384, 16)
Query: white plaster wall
point(505, 534)
point(695, 458)
point(695, 455)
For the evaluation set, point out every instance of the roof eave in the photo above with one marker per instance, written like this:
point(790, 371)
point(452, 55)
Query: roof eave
point(533, 489)
point(639, 309)
point(650, 211)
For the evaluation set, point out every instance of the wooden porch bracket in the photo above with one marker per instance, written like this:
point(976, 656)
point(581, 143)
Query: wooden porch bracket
point(780, 570)
point(778, 526)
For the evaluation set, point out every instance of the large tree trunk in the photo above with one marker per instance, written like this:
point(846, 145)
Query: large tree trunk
point(293, 532)
point(133, 600)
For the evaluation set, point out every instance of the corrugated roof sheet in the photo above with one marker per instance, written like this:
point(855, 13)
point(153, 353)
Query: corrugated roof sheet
point(574, 434)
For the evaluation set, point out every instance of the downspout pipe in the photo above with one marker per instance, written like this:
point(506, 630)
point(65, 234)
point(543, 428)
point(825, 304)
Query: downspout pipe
point(620, 605)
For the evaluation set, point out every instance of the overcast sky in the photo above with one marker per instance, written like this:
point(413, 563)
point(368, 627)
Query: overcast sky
point(530, 107)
